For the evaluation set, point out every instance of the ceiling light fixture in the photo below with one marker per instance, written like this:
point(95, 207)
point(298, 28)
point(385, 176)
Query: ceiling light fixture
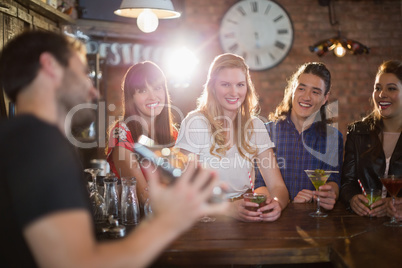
point(339, 44)
point(147, 12)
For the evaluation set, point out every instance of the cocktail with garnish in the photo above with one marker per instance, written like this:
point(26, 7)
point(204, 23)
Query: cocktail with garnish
point(372, 195)
point(259, 199)
point(318, 177)
point(393, 184)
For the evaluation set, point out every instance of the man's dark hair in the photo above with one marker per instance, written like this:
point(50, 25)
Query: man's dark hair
point(19, 59)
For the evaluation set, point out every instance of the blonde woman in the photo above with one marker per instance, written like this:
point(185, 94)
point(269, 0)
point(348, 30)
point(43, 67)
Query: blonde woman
point(228, 137)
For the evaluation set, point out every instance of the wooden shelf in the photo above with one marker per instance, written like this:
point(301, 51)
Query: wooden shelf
point(117, 30)
point(47, 11)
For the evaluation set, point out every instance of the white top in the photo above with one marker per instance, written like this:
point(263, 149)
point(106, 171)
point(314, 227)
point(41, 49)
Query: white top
point(195, 136)
point(389, 142)
point(388, 145)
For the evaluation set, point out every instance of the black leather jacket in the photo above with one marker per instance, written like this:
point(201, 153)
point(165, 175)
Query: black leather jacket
point(365, 160)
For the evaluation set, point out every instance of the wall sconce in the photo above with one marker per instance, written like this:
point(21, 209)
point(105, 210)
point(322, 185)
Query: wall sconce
point(147, 12)
point(340, 45)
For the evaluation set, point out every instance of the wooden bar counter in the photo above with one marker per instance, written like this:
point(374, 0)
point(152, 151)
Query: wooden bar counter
point(342, 239)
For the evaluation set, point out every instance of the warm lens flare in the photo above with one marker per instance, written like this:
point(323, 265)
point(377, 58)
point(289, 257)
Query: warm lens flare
point(180, 66)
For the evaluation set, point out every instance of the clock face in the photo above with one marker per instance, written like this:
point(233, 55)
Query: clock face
point(258, 30)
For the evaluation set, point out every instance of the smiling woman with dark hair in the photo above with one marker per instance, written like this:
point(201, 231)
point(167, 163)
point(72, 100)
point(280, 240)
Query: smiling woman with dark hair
point(146, 104)
point(374, 144)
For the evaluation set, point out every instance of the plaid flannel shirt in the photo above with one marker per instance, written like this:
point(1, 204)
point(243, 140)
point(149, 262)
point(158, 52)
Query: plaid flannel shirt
point(311, 149)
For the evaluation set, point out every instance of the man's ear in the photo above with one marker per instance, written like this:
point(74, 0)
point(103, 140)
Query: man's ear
point(50, 66)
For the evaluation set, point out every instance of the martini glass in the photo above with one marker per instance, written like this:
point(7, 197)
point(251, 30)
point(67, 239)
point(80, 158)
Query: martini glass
point(393, 184)
point(318, 177)
point(97, 200)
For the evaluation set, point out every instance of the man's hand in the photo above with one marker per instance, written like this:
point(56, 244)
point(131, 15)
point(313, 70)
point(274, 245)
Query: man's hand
point(184, 202)
point(327, 196)
point(304, 196)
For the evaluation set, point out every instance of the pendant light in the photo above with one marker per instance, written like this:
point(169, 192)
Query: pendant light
point(147, 12)
point(339, 44)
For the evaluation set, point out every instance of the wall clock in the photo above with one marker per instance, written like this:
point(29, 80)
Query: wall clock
point(258, 30)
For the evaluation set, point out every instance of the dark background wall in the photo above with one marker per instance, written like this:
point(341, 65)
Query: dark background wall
point(376, 24)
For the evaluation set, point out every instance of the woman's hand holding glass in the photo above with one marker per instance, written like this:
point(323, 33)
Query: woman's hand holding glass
point(395, 210)
point(272, 211)
point(379, 208)
point(240, 210)
point(357, 203)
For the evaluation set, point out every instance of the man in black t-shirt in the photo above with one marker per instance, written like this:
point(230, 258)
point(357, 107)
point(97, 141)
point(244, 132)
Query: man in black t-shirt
point(46, 219)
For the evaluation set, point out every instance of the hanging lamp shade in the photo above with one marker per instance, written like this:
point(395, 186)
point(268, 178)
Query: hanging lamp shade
point(163, 9)
point(340, 46)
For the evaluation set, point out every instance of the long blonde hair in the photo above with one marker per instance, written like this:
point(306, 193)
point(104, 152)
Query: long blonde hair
point(208, 105)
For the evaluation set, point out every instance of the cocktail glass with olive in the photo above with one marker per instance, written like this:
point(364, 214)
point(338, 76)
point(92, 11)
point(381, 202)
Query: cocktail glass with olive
point(318, 177)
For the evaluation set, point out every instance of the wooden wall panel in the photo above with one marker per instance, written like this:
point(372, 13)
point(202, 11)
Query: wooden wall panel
point(15, 17)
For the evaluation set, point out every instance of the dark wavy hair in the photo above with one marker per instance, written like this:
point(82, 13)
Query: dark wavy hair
point(284, 108)
point(388, 67)
point(137, 77)
point(19, 59)
point(374, 120)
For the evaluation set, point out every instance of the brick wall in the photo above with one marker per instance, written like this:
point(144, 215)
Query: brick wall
point(376, 24)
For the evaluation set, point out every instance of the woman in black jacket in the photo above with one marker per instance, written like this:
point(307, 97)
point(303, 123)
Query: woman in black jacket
point(374, 145)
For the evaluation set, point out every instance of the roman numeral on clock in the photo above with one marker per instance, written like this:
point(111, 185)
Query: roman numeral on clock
point(257, 60)
point(280, 45)
point(278, 18)
point(229, 35)
point(242, 11)
point(267, 10)
point(234, 47)
point(254, 7)
point(232, 21)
